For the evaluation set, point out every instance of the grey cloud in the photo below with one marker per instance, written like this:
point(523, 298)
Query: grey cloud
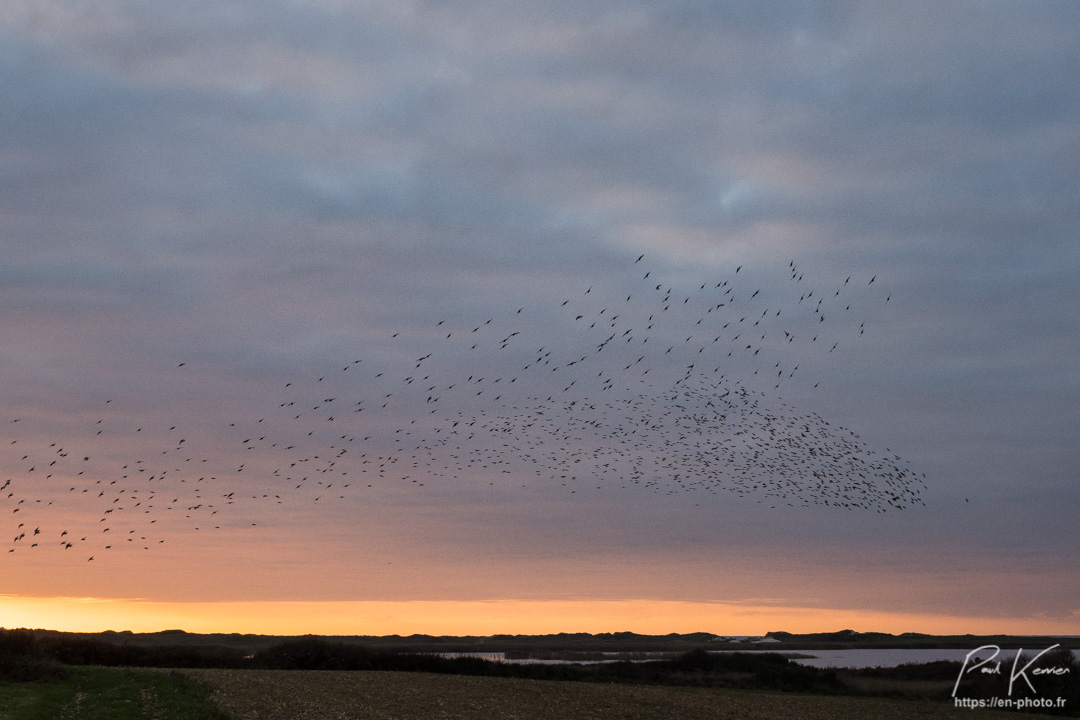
point(268, 186)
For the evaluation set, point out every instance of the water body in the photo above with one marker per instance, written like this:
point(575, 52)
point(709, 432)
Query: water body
point(891, 657)
point(852, 658)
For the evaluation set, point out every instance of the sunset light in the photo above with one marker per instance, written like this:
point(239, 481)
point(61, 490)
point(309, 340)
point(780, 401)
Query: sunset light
point(495, 617)
point(671, 319)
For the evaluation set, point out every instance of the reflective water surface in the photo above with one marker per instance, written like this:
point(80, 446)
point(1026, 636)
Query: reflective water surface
point(853, 658)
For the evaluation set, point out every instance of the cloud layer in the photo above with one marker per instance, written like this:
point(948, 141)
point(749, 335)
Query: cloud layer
point(267, 192)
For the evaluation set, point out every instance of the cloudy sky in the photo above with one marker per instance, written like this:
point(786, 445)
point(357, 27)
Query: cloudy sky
point(308, 304)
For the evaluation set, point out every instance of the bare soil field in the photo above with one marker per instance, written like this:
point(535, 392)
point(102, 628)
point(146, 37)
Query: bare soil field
point(359, 695)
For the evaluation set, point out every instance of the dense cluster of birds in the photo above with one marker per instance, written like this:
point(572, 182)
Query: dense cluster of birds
point(618, 386)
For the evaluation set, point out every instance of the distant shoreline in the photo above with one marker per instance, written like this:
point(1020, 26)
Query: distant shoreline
point(586, 642)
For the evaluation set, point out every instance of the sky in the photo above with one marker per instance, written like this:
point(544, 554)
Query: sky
point(470, 317)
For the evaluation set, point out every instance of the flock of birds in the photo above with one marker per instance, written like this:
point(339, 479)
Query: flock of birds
point(642, 387)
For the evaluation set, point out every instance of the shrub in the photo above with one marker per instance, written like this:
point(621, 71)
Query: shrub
point(22, 658)
point(312, 653)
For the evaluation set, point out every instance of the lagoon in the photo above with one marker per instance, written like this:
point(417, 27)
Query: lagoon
point(841, 658)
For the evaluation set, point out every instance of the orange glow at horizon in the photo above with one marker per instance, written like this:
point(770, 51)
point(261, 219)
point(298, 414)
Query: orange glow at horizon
point(490, 617)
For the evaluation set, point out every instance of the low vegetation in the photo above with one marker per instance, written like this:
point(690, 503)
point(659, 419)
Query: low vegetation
point(23, 657)
point(70, 677)
point(91, 693)
point(315, 695)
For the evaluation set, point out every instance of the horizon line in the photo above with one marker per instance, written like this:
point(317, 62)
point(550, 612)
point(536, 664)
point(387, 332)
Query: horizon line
point(508, 616)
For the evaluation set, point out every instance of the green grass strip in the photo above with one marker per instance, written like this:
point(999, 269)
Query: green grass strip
point(93, 693)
